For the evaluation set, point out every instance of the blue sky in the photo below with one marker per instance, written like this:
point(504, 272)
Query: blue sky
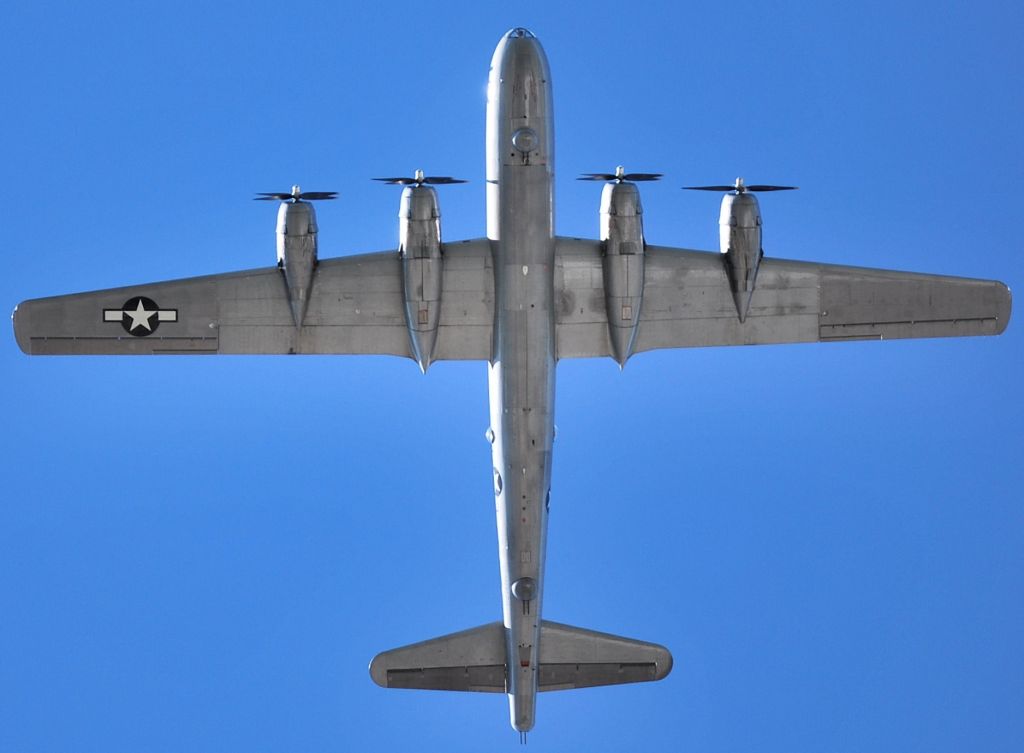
point(204, 554)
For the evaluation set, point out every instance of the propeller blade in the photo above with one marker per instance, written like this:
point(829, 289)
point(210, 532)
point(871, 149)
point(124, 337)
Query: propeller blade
point(709, 188)
point(306, 195)
point(619, 176)
point(740, 187)
point(433, 180)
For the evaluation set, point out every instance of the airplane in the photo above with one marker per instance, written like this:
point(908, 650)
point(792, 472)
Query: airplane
point(521, 299)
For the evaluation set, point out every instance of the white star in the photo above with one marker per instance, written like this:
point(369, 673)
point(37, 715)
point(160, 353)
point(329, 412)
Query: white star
point(140, 317)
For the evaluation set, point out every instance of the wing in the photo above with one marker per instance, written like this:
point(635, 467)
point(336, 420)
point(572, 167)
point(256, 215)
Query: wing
point(356, 306)
point(687, 303)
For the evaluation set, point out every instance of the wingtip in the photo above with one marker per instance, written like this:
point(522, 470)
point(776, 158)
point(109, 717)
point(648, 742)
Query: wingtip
point(378, 672)
point(1005, 307)
point(664, 664)
point(20, 332)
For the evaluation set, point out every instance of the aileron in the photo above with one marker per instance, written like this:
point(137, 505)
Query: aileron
point(858, 303)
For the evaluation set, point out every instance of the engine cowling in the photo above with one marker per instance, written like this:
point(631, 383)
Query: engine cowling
point(296, 253)
point(419, 233)
point(739, 227)
point(622, 234)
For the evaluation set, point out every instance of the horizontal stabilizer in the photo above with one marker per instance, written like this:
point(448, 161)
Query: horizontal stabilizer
point(475, 660)
point(571, 657)
point(471, 660)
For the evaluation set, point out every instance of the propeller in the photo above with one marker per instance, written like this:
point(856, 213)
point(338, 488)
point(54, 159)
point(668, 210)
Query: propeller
point(620, 175)
point(420, 179)
point(740, 187)
point(297, 194)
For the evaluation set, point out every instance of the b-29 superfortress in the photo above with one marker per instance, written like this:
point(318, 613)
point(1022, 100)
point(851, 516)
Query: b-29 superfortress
point(520, 299)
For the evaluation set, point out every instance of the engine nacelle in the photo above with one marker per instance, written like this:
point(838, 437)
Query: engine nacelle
point(739, 226)
point(622, 233)
point(296, 253)
point(419, 233)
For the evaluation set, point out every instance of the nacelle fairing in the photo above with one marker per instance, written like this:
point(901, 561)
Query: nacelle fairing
point(622, 234)
point(740, 237)
point(739, 226)
point(419, 233)
point(296, 252)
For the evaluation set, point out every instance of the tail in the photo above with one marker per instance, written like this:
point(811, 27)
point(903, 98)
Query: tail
point(475, 660)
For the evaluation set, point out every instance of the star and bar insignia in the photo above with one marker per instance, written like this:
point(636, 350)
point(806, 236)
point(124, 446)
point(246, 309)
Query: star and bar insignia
point(140, 316)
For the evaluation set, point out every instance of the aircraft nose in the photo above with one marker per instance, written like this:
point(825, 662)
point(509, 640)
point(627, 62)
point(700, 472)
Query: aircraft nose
point(520, 33)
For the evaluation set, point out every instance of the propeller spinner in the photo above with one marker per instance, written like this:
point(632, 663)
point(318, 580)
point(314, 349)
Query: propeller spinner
point(740, 187)
point(297, 194)
point(420, 179)
point(620, 176)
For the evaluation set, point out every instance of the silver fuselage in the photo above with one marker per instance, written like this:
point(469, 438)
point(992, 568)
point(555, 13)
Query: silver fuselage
point(520, 224)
